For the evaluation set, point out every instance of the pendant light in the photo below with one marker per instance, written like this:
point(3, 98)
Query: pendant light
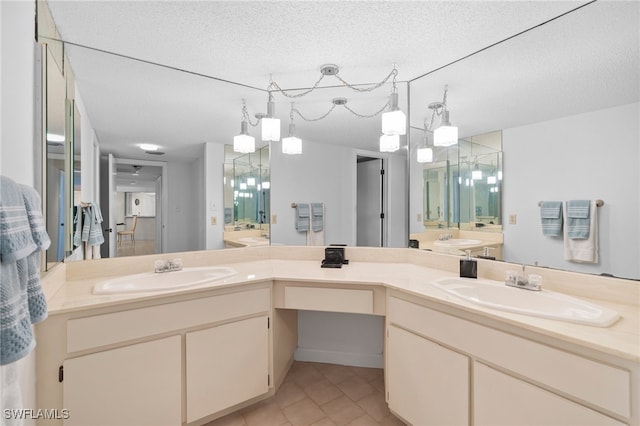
point(389, 143)
point(445, 134)
point(425, 154)
point(292, 145)
point(394, 122)
point(270, 124)
point(244, 143)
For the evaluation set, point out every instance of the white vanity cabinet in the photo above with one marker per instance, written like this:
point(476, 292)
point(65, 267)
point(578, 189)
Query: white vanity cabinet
point(509, 379)
point(169, 361)
point(132, 385)
point(226, 365)
point(501, 399)
point(426, 383)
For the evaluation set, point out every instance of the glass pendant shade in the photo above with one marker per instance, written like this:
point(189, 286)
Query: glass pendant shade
point(425, 155)
point(389, 143)
point(244, 143)
point(476, 174)
point(270, 124)
point(292, 145)
point(270, 129)
point(492, 180)
point(394, 122)
point(445, 136)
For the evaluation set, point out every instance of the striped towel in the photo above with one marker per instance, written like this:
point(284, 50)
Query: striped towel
point(578, 223)
point(22, 237)
point(317, 217)
point(302, 217)
point(551, 218)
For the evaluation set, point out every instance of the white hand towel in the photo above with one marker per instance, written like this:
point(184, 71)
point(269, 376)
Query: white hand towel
point(584, 250)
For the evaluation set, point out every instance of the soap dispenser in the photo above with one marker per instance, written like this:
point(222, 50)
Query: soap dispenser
point(468, 267)
point(486, 255)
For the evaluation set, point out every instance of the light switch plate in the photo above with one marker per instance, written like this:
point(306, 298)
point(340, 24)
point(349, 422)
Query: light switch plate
point(513, 219)
point(214, 220)
point(274, 219)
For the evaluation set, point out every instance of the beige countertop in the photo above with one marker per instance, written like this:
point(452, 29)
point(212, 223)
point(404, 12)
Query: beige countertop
point(69, 289)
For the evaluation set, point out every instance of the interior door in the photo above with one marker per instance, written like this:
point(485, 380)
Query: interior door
point(107, 202)
point(369, 207)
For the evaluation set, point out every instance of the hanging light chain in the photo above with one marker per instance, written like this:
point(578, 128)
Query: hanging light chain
point(274, 85)
point(369, 115)
point(394, 73)
point(312, 119)
point(245, 115)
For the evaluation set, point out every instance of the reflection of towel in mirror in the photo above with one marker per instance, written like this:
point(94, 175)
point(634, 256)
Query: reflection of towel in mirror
point(583, 250)
point(317, 217)
point(551, 218)
point(302, 217)
point(92, 226)
point(22, 236)
point(578, 223)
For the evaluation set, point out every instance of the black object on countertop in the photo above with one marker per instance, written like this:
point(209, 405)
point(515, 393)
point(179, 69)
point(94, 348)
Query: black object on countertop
point(334, 256)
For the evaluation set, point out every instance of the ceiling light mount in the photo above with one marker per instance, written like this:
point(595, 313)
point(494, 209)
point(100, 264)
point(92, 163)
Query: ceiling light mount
point(329, 69)
point(435, 106)
point(339, 101)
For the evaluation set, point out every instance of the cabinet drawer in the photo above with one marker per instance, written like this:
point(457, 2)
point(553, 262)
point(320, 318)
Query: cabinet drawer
point(329, 299)
point(100, 330)
point(590, 381)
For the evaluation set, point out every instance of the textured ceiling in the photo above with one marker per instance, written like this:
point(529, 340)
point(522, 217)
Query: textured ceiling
point(585, 60)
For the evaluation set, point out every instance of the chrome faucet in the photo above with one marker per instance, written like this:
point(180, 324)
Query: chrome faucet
point(528, 282)
point(168, 265)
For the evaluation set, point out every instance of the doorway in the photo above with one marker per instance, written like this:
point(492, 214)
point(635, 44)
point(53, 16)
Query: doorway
point(133, 201)
point(369, 202)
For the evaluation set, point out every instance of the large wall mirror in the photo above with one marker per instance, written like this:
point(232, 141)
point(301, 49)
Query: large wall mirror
point(56, 166)
point(516, 92)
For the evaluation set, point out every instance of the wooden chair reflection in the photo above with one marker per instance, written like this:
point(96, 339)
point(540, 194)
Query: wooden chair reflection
point(131, 231)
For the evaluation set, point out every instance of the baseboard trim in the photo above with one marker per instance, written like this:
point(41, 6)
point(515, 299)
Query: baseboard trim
point(340, 358)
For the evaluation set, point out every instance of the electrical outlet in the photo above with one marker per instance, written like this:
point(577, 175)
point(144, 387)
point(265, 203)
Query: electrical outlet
point(274, 219)
point(214, 220)
point(513, 219)
point(419, 217)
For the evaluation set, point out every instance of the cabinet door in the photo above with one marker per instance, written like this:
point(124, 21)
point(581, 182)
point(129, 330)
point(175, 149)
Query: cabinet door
point(133, 385)
point(427, 384)
point(226, 365)
point(500, 399)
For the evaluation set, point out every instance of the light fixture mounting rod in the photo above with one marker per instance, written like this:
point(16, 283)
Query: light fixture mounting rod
point(329, 69)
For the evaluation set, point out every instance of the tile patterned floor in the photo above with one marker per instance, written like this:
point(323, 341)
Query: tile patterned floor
point(139, 248)
point(315, 394)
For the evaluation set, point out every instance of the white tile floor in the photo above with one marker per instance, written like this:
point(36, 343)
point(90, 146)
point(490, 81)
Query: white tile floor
point(315, 394)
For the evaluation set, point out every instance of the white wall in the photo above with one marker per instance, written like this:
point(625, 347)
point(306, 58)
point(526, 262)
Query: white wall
point(322, 173)
point(587, 156)
point(340, 338)
point(213, 192)
point(89, 171)
point(17, 147)
point(184, 204)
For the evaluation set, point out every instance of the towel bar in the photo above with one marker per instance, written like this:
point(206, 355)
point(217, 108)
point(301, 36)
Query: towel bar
point(599, 203)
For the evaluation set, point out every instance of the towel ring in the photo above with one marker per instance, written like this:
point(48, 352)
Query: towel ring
point(599, 203)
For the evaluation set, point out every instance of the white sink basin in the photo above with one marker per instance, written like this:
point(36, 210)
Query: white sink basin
point(544, 303)
point(151, 281)
point(254, 241)
point(457, 242)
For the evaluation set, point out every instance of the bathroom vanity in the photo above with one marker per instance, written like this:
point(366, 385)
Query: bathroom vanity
point(194, 354)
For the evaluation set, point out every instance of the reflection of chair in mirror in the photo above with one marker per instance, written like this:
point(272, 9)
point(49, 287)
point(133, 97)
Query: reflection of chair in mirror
point(131, 231)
